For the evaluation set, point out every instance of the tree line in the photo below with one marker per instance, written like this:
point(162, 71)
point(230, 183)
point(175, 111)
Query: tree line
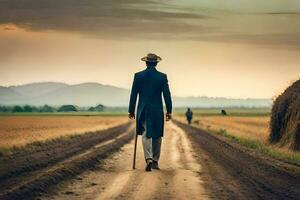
point(47, 108)
point(27, 108)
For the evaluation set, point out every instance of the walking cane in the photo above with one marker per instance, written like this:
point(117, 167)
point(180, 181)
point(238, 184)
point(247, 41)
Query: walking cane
point(134, 153)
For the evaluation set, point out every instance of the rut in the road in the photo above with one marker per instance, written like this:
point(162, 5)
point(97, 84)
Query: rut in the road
point(232, 171)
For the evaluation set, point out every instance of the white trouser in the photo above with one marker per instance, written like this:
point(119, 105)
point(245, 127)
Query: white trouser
point(151, 147)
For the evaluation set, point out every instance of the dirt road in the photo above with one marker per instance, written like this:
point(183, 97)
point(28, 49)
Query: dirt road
point(28, 172)
point(231, 171)
point(194, 165)
point(178, 177)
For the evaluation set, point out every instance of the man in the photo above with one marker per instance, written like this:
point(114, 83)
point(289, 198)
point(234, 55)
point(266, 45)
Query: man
point(189, 115)
point(149, 85)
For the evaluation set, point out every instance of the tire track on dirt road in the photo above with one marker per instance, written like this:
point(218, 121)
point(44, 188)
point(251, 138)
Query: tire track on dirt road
point(178, 177)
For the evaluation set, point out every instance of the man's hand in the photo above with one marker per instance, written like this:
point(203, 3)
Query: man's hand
point(168, 116)
point(131, 116)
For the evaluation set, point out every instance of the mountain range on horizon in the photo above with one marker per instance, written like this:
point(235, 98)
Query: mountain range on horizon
point(92, 93)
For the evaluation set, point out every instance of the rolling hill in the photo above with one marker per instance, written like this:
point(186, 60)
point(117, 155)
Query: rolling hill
point(91, 94)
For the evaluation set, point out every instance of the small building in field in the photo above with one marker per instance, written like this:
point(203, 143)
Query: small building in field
point(68, 108)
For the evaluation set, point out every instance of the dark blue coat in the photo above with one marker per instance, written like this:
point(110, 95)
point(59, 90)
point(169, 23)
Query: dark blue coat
point(149, 85)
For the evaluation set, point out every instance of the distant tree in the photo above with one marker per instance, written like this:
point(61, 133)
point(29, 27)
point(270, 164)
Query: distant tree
point(17, 109)
point(8, 108)
point(27, 108)
point(91, 109)
point(67, 108)
point(98, 108)
point(5, 109)
point(35, 109)
point(47, 108)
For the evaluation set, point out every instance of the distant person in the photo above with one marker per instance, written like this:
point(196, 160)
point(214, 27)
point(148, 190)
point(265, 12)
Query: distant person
point(223, 112)
point(149, 85)
point(189, 115)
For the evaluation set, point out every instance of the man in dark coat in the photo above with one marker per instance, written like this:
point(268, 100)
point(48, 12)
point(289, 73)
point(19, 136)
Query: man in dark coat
point(189, 115)
point(149, 85)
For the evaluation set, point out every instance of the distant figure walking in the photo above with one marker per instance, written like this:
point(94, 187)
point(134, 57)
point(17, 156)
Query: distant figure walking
point(149, 85)
point(223, 112)
point(189, 115)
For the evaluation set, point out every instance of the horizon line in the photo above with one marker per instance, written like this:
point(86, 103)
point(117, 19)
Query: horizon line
point(108, 85)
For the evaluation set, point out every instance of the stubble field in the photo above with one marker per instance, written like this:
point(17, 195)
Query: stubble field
point(18, 131)
point(241, 126)
point(248, 123)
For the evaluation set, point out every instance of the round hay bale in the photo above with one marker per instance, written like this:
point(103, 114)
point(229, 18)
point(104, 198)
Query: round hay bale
point(285, 118)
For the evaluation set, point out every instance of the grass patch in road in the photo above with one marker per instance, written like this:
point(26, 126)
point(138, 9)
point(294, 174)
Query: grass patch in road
point(291, 157)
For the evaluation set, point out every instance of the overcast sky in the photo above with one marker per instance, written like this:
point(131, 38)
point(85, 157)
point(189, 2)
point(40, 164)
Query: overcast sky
point(249, 6)
point(232, 48)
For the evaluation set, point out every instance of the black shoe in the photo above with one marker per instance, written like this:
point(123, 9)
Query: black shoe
point(155, 165)
point(148, 166)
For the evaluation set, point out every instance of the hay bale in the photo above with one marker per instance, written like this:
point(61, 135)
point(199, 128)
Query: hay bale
point(285, 118)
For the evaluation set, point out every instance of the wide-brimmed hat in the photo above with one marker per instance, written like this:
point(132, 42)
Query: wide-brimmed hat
point(151, 57)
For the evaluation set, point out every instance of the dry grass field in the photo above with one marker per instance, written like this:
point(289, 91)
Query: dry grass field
point(22, 130)
point(248, 127)
point(242, 126)
point(251, 131)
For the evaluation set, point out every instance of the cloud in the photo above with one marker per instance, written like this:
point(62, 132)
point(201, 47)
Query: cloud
point(90, 15)
point(152, 20)
point(245, 6)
